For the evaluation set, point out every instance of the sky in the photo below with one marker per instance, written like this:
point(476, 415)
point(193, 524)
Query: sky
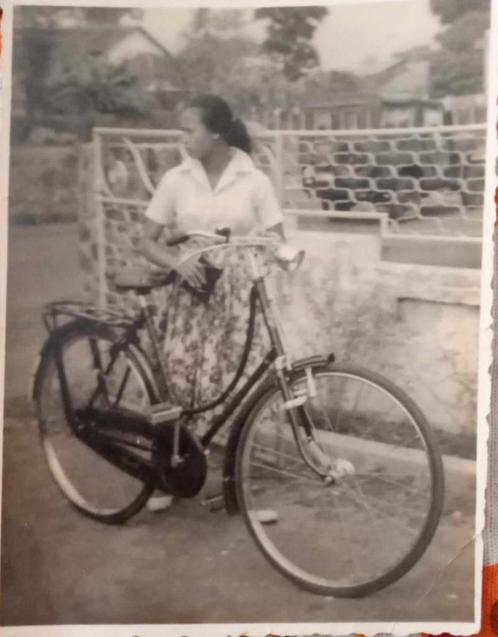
point(357, 37)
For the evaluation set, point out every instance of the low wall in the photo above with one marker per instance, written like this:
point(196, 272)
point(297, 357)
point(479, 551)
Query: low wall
point(418, 325)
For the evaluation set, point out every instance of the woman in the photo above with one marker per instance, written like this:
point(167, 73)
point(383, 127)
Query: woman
point(217, 186)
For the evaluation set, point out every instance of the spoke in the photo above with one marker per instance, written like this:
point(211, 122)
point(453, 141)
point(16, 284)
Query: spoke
point(278, 453)
point(339, 410)
point(361, 499)
point(394, 405)
point(346, 537)
point(399, 507)
point(305, 479)
point(386, 516)
point(325, 411)
point(367, 477)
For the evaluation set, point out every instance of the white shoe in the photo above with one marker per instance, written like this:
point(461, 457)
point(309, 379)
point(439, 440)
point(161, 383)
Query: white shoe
point(266, 516)
point(159, 502)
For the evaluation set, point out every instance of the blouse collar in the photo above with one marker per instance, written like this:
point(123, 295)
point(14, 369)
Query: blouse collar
point(240, 163)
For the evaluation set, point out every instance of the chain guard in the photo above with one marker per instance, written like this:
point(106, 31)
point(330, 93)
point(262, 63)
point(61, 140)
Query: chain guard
point(187, 478)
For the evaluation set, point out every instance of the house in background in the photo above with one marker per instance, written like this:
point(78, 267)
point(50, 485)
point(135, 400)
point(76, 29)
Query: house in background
point(344, 112)
point(395, 96)
point(401, 112)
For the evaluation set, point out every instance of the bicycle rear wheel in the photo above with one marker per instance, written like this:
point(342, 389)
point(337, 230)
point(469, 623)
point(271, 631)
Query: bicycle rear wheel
point(372, 523)
point(91, 483)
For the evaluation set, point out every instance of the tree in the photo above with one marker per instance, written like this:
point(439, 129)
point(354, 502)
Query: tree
point(37, 48)
point(50, 17)
point(218, 21)
point(289, 36)
point(211, 63)
point(89, 86)
point(216, 55)
point(457, 67)
point(450, 10)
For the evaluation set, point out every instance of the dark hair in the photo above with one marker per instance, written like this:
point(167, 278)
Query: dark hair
point(218, 118)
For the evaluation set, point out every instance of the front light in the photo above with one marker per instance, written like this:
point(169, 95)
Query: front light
point(289, 257)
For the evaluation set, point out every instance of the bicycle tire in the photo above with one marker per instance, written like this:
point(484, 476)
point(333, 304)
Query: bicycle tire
point(280, 561)
point(66, 336)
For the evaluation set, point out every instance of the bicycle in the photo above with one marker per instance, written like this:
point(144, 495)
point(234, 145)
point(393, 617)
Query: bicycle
point(344, 457)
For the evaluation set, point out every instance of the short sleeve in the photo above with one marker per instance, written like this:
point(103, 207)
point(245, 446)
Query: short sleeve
point(267, 207)
point(161, 208)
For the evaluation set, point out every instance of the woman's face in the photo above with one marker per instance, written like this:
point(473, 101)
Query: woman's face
point(197, 139)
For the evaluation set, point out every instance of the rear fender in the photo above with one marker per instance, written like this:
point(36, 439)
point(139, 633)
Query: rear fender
point(50, 343)
point(229, 487)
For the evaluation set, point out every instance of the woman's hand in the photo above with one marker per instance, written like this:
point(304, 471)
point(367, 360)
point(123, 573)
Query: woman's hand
point(192, 271)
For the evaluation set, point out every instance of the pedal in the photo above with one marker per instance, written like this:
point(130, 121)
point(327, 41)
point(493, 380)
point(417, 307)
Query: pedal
point(164, 412)
point(214, 503)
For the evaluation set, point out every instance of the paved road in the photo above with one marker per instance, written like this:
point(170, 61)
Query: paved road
point(181, 566)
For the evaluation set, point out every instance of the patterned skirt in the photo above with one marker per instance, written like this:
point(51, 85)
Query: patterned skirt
point(204, 341)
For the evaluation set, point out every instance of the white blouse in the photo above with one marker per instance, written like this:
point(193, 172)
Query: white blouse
point(244, 199)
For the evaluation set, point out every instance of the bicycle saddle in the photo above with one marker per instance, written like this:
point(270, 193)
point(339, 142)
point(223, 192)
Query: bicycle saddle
point(140, 280)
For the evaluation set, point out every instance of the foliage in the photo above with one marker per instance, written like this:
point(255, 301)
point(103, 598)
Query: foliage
point(81, 83)
point(457, 67)
point(31, 62)
point(290, 32)
point(220, 21)
point(465, 31)
point(218, 58)
point(210, 62)
point(46, 17)
point(450, 10)
point(89, 85)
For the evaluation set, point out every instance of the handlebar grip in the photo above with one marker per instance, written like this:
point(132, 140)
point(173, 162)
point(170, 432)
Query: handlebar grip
point(174, 241)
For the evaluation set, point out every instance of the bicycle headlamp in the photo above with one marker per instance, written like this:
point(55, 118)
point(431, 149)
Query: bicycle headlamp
point(289, 257)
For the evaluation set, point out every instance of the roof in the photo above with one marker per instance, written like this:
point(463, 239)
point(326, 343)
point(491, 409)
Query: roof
point(383, 100)
point(344, 100)
point(407, 101)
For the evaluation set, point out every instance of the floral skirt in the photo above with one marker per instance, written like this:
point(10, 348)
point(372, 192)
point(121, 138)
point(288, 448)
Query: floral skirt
point(203, 342)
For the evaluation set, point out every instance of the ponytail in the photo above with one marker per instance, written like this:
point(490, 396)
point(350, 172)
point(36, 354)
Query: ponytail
point(238, 136)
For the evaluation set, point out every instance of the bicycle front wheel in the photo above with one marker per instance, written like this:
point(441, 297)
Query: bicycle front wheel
point(90, 482)
point(363, 530)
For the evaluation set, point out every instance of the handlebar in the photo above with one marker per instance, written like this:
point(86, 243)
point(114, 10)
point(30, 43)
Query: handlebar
point(288, 256)
point(224, 236)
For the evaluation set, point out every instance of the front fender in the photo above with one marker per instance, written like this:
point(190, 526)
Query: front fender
point(229, 490)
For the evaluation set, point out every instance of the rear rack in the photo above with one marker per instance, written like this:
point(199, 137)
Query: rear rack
point(86, 312)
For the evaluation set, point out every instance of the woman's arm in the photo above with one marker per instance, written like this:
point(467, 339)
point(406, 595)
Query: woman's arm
point(191, 271)
point(150, 248)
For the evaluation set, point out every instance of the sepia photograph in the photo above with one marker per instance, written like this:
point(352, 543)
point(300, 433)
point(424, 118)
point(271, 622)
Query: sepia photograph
point(247, 297)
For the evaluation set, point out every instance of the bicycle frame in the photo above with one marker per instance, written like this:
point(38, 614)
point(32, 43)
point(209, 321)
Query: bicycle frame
point(277, 357)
